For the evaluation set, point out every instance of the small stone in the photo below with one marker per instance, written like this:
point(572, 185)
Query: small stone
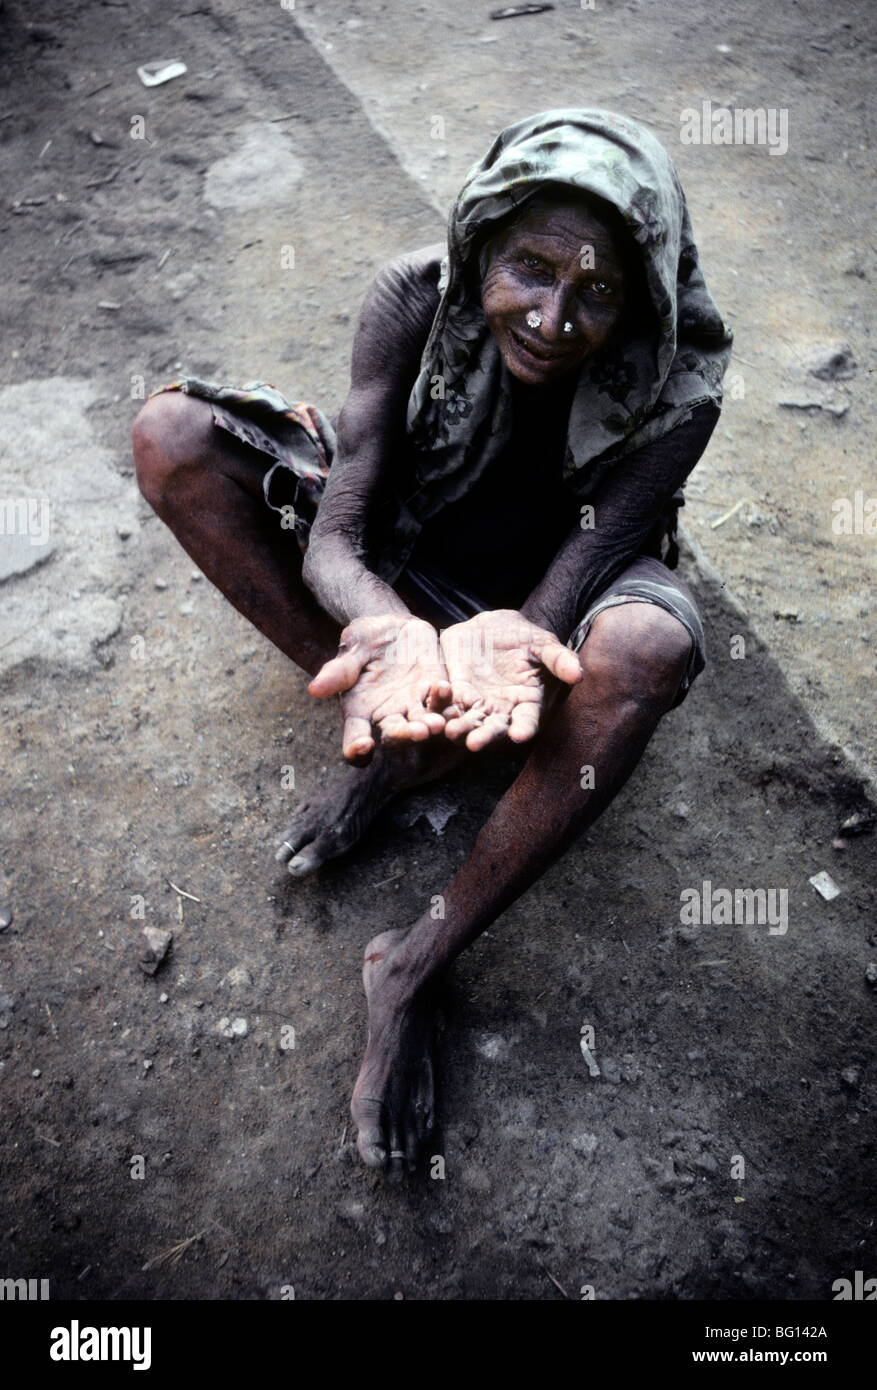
point(36, 1072)
point(611, 1072)
point(832, 362)
point(824, 885)
point(850, 1078)
point(163, 998)
point(232, 1027)
point(398, 1296)
point(860, 823)
point(239, 976)
point(186, 609)
point(161, 583)
point(196, 576)
point(5, 917)
point(123, 532)
point(352, 1211)
point(789, 614)
point(147, 1065)
point(158, 942)
point(681, 810)
point(585, 1144)
point(871, 975)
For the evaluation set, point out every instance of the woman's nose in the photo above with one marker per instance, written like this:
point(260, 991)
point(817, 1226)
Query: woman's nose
point(554, 312)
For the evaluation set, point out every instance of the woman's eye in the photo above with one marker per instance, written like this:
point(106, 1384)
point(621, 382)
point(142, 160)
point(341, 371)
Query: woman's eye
point(601, 288)
point(531, 262)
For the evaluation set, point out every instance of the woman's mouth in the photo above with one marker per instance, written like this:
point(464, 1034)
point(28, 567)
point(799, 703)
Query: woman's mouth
point(536, 356)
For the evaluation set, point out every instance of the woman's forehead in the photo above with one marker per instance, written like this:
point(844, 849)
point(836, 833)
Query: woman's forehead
point(566, 219)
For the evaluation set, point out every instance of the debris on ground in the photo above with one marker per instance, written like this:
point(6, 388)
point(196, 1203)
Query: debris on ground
point(437, 808)
point(859, 823)
point(804, 400)
point(154, 74)
point(824, 885)
point(515, 11)
point(158, 942)
point(590, 1059)
point(232, 1028)
point(834, 362)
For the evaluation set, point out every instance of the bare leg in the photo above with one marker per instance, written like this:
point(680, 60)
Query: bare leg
point(207, 487)
point(632, 661)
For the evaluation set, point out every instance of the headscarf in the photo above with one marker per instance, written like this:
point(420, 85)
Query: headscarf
point(629, 392)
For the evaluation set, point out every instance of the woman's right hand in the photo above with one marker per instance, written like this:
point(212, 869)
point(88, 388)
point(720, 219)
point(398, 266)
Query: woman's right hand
point(391, 676)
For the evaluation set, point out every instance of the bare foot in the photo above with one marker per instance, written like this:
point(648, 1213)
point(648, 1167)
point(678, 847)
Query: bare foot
point(393, 1103)
point(332, 822)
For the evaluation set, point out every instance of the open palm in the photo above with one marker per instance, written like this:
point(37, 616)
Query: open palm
point(497, 664)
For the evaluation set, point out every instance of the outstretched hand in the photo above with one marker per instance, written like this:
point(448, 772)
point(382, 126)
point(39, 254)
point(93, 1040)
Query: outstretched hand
point(391, 676)
point(497, 665)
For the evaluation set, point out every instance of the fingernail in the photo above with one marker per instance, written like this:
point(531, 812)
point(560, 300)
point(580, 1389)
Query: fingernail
point(298, 865)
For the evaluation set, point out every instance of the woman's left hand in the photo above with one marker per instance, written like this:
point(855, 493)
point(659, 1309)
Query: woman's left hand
point(497, 664)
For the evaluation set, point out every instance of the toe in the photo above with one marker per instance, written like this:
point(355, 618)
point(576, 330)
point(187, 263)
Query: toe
point(370, 1141)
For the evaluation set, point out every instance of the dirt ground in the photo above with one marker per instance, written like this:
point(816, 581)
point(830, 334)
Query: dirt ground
point(146, 728)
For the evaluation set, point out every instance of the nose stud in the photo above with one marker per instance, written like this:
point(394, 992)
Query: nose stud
point(534, 319)
point(567, 327)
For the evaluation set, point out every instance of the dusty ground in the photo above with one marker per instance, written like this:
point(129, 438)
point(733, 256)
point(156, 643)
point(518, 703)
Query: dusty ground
point(145, 726)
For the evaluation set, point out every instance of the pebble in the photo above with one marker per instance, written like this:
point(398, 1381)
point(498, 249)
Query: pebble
point(824, 885)
point(5, 917)
point(36, 1072)
point(147, 1065)
point(352, 1211)
point(157, 945)
point(161, 583)
point(196, 576)
point(239, 976)
point(163, 998)
point(232, 1027)
point(871, 975)
point(611, 1072)
point(850, 1078)
point(585, 1144)
point(123, 532)
point(832, 362)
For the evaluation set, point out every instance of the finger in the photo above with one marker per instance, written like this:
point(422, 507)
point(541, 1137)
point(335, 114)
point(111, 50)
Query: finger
point(464, 723)
point(357, 742)
point(395, 728)
point(438, 695)
point(339, 674)
point(524, 722)
point(560, 661)
point(494, 727)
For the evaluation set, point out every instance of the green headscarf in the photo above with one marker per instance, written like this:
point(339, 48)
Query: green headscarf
point(630, 392)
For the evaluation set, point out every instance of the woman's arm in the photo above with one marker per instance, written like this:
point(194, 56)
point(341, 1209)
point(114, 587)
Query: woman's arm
point(390, 337)
point(626, 507)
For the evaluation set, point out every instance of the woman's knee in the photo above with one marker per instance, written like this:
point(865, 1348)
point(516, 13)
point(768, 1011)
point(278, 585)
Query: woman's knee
point(170, 433)
point(638, 650)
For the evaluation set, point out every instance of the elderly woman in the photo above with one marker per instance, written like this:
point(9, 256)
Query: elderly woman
point(488, 541)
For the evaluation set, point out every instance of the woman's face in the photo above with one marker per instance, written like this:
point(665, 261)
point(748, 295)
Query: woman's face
point(560, 259)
